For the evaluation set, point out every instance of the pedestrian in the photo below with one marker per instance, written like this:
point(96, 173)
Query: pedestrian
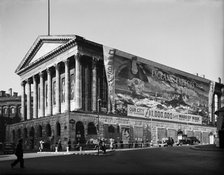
point(19, 154)
point(69, 145)
point(41, 147)
point(59, 145)
point(103, 146)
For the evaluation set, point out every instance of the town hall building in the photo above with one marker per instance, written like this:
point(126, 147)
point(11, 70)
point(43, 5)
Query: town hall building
point(75, 89)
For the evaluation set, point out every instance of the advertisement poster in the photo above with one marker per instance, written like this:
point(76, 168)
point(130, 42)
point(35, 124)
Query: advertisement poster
point(125, 135)
point(156, 87)
point(109, 68)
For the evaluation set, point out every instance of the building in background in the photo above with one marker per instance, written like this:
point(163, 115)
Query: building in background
point(10, 105)
point(82, 90)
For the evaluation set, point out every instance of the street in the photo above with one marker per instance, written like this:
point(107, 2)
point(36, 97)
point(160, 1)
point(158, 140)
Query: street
point(171, 160)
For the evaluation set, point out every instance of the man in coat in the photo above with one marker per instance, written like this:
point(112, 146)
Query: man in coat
point(19, 154)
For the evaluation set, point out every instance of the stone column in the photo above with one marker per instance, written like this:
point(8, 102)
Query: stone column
point(49, 92)
point(28, 99)
point(41, 94)
point(23, 102)
point(35, 106)
point(78, 94)
point(57, 93)
point(94, 88)
point(67, 82)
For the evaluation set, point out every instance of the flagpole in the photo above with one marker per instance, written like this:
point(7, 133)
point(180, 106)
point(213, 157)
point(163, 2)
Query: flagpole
point(48, 17)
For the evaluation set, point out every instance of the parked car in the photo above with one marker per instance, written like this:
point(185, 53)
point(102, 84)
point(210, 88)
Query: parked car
point(193, 141)
point(189, 141)
point(8, 148)
point(168, 141)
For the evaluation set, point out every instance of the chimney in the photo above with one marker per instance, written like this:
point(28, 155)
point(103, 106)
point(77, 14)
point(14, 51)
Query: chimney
point(219, 79)
point(203, 76)
point(15, 94)
point(197, 74)
point(10, 92)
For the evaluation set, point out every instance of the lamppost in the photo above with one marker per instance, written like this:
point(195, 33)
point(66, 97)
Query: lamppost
point(98, 125)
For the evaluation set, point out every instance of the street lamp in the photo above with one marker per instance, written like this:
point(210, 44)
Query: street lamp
point(98, 126)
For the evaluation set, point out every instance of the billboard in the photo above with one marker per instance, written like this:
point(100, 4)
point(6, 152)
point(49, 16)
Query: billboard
point(144, 112)
point(158, 87)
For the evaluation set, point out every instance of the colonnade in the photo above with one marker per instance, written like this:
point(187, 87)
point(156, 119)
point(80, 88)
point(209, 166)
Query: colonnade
point(48, 92)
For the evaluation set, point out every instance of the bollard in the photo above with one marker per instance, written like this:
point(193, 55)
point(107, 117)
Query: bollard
point(67, 149)
point(80, 148)
point(56, 149)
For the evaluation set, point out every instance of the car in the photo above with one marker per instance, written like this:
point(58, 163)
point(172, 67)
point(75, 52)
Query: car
point(8, 148)
point(189, 141)
point(163, 142)
point(193, 141)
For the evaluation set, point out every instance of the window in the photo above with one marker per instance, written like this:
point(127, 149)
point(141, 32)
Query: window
point(5, 111)
point(91, 128)
point(111, 129)
point(12, 110)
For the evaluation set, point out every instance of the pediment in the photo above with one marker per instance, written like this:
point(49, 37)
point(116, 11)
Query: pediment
point(41, 48)
point(44, 49)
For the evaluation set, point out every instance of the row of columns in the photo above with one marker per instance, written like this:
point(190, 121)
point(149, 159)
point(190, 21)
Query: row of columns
point(77, 91)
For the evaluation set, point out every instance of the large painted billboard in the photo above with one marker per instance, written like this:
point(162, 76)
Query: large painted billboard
point(157, 87)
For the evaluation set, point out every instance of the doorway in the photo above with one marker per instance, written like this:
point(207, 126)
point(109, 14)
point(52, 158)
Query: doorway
point(80, 134)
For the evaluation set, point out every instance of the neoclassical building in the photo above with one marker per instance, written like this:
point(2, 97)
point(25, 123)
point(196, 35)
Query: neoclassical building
point(76, 89)
point(10, 107)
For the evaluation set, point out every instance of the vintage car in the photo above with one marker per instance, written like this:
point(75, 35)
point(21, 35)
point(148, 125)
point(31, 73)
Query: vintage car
point(188, 141)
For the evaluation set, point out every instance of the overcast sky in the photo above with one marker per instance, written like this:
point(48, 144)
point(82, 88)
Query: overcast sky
point(184, 34)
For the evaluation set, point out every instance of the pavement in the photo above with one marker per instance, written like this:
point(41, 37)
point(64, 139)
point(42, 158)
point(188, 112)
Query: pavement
point(7, 157)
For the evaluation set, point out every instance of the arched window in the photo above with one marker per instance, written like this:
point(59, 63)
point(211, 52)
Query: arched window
point(48, 130)
point(12, 110)
point(58, 129)
point(25, 133)
point(118, 129)
point(13, 135)
point(39, 131)
point(19, 133)
point(91, 128)
point(111, 129)
point(32, 132)
point(5, 111)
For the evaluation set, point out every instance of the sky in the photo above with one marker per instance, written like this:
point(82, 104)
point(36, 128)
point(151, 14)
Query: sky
point(184, 34)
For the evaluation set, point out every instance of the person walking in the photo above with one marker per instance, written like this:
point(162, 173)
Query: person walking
point(19, 154)
point(41, 147)
point(69, 145)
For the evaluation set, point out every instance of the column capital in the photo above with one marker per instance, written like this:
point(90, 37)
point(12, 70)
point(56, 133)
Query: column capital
point(34, 77)
point(41, 74)
point(29, 80)
point(57, 66)
point(48, 70)
point(66, 61)
point(23, 83)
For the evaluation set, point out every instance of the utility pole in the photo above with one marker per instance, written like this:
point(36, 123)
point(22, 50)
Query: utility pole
point(98, 127)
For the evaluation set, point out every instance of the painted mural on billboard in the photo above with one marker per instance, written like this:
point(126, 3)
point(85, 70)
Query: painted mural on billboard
point(151, 86)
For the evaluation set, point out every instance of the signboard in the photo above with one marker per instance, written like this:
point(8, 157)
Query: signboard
point(147, 84)
point(144, 112)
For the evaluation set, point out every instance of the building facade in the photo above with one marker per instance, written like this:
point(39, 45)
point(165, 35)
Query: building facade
point(10, 106)
point(76, 89)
